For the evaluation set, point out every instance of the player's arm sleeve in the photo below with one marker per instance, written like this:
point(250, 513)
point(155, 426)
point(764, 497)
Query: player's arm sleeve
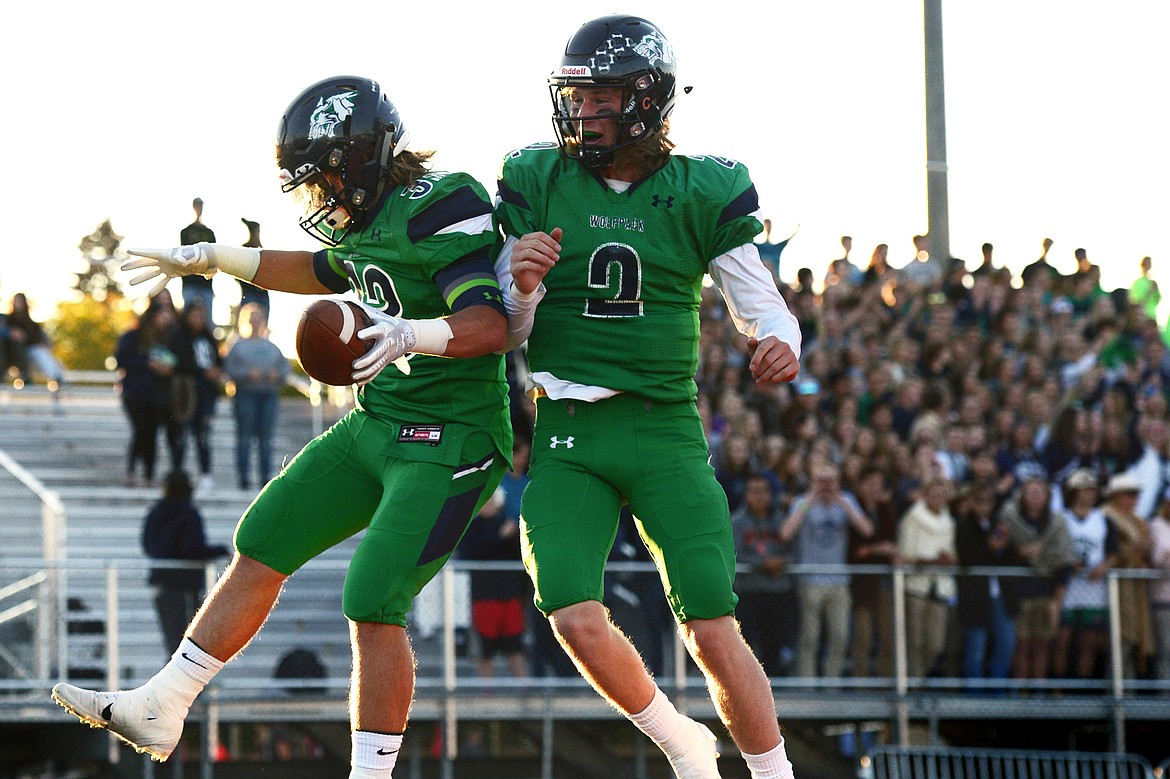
point(455, 232)
point(516, 217)
point(519, 307)
point(471, 281)
point(330, 272)
point(757, 308)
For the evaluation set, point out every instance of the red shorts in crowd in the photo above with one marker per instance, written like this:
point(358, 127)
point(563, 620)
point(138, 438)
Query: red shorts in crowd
point(498, 618)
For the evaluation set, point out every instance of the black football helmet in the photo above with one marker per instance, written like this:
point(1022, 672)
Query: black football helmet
point(623, 51)
point(346, 127)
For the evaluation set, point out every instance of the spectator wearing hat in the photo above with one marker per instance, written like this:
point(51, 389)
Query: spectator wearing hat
point(1134, 544)
point(1160, 589)
point(804, 405)
point(1084, 617)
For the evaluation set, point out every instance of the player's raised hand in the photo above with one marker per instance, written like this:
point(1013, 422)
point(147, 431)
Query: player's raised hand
point(772, 361)
point(168, 263)
point(393, 338)
point(200, 259)
point(533, 256)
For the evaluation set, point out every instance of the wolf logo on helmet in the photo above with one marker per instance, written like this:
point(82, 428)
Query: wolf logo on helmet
point(654, 48)
point(329, 113)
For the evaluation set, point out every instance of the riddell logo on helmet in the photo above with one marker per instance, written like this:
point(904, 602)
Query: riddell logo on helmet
point(575, 70)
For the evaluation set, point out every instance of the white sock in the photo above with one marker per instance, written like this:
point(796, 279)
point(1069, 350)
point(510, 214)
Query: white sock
point(373, 755)
point(773, 764)
point(663, 724)
point(186, 674)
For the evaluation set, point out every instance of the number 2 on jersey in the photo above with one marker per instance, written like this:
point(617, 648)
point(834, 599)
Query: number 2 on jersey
point(626, 300)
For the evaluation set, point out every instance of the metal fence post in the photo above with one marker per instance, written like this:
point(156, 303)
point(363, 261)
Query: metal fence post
point(901, 685)
point(1116, 660)
point(450, 718)
point(48, 616)
point(113, 654)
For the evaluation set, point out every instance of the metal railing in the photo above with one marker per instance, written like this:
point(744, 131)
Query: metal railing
point(450, 692)
point(939, 763)
point(45, 598)
point(319, 395)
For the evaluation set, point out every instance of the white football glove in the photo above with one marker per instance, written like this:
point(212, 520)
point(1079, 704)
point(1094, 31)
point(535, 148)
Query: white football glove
point(393, 338)
point(202, 259)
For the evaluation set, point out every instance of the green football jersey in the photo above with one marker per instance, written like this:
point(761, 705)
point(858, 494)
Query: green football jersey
point(426, 249)
point(622, 306)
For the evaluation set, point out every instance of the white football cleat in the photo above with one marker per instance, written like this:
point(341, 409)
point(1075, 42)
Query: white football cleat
point(698, 762)
point(134, 716)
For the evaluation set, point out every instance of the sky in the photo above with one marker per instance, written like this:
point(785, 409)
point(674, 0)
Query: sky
point(1057, 118)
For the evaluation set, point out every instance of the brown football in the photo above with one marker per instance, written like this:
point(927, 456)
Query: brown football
point(327, 342)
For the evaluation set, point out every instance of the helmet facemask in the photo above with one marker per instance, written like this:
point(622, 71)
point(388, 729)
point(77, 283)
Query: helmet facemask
point(333, 199)
point(639, 115)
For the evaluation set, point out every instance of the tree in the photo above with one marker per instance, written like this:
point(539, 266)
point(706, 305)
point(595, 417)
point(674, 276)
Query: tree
point(102, 252)
point(85, 331)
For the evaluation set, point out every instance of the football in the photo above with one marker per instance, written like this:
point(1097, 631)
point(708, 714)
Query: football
point(327, 342)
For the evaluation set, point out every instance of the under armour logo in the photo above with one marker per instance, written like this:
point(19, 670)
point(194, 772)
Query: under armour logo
point(668, 202)
point(376, 234)
point(568, 442)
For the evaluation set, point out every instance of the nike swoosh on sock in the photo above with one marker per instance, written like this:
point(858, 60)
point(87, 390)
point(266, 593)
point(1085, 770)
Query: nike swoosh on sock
point(381, 752)
point(193, 660)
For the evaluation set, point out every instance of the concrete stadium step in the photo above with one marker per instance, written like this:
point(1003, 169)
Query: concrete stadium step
point(75, 444)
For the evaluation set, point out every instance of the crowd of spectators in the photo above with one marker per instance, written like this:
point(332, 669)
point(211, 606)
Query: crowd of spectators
point(967, 411)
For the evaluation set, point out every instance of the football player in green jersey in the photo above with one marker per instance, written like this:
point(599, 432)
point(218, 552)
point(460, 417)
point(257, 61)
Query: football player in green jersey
point(608, 237)
point(424, 449)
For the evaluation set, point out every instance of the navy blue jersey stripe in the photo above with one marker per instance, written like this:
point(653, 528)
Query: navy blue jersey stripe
point(449, 526)
point(509, 195)
point(745, 205)
point(329, 274)
point(460, 205)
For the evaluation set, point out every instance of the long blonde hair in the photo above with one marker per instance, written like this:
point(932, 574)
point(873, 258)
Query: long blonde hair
point(648, 154)
point(409, 167)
